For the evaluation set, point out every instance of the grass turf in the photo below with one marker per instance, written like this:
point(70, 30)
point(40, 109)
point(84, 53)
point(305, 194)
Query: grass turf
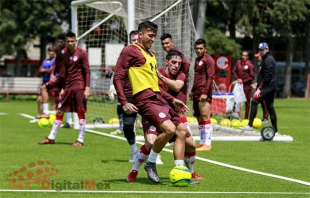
point(105, 160)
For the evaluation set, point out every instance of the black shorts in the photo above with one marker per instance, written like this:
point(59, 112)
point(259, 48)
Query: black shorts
point(128, 119)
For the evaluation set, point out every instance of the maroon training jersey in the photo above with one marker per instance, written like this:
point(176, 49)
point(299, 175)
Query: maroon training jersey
point(179, 76)
point(77, 69)
point(130, 56)
point(59, 62)
point(203, 76)
point(185, 63)
point(244, 71)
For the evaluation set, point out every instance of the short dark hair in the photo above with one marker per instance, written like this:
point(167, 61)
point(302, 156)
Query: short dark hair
point(61, 36)
point(201, 41)
point(51, 48)
point(70, 34)
point(165, 35)
point(173, 53)
point(147, 25)
point(133, 32)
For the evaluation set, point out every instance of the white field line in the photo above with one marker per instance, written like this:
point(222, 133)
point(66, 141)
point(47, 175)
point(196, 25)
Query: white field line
point(215, 162)
point(152, 192)
point(205, 160)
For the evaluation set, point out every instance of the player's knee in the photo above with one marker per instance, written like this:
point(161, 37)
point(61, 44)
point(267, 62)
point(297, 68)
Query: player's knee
point(129, 132)
point(181, 131)
point(149, 144)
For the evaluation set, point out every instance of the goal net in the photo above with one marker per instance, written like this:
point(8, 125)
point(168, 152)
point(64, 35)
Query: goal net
point(101, 28)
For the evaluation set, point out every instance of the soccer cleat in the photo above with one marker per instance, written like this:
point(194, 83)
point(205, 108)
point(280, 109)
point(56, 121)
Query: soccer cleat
point(246, 128)
point(77, 143)
point(44, 116)
point(203, 147)
point(132, 176)
point(151, 171)
point(196, 176)
point(133, 156)
point(265, 121)
point(117, 131)
point(67, 125)
point(47, 141)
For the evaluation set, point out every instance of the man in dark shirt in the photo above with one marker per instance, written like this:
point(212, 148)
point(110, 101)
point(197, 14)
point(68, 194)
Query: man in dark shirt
point(266, 87)
point(75, 90)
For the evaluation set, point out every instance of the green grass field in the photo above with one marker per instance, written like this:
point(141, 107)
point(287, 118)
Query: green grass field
point(104, 160)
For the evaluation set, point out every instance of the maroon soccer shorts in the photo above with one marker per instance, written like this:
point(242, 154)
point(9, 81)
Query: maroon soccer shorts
point(156, 110)
point(196, 110)
point(73, 101)
point(58, 83)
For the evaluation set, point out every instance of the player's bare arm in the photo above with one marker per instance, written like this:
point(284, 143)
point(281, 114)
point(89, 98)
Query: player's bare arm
point(203, 97)
point(86, 93)
point(180, 104)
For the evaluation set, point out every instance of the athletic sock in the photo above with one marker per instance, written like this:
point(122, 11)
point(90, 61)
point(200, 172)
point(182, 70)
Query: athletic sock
point(82, 130)
point(69, 117)
point(189, 159)
point(153, 156)
point(178, 162)
point(185, 122)
point(55, 128)
point(203, 131)
point(45, 108)
point(133, 148)
point(209, 130)
point(142, 155)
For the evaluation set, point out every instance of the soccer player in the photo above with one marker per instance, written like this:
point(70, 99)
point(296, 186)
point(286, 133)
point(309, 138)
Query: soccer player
point(267, 87)
point(139, 63)
point(172, 81)
point(45, 71)
point(201, 93)
point(75, 91)
point(56, 81)
point(244, 73)
point(133, 35)
point(168, 45)
point(127, 121)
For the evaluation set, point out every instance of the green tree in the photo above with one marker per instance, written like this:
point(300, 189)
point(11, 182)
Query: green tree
point(284, 15)
point(25, 19)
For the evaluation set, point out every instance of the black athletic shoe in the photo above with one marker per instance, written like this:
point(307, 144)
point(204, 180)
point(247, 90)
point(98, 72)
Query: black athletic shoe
point(151, 171)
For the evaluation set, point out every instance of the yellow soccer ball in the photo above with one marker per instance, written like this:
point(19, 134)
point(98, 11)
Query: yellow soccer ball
point(257, 123)
point(225, 122)
point(244, 122)
point(114, 121)
point(235, 123)
point(180, 176)
point(43, 122)
point(213, 120)
point(52, 118)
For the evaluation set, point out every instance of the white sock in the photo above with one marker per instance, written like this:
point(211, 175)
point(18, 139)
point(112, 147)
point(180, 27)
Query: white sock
point(82, 130)
point(202, 133)
point(178, 162)
point(188, 127)
point(69, 117)
point(209, 130)
point(133, 148)
point(55, 128)
point(190, 161)
point(141, 157)
point(45, 108)
point(153, 156)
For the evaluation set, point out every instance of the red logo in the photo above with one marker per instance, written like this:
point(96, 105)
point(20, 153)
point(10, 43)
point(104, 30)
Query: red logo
point(33, 174)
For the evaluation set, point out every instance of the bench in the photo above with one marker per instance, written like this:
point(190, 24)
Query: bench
point(19, 86)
